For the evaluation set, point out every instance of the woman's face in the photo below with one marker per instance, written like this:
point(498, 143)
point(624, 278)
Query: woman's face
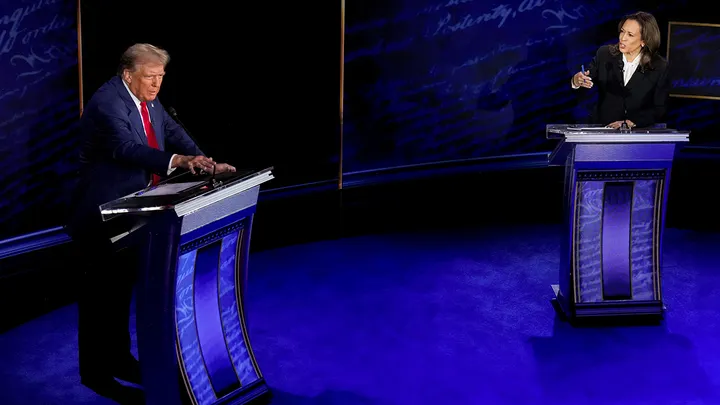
point(630, 38)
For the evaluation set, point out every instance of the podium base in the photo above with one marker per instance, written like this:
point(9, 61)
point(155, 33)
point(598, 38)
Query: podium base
point(607, 313)
point(257, 393)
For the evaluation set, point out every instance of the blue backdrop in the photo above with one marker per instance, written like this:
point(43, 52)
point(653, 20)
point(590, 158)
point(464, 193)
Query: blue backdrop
point(424, 82)
point(429, 81)
point(39, 105)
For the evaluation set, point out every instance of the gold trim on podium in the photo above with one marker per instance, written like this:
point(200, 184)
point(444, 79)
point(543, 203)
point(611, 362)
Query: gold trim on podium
point(657, 234)
point(239, 267)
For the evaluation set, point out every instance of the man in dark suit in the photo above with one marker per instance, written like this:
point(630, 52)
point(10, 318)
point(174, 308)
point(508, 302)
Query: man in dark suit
point(129, 143)
point(631, 77)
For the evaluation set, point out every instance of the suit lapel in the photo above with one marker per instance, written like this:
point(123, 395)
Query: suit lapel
point(635, 78)
point(136, 121)
point(618, 70)
point(132, 110)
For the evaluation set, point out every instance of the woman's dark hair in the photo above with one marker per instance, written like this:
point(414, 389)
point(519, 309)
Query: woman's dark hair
point(650, 34)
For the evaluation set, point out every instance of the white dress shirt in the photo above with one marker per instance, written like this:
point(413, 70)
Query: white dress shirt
point(629, 68)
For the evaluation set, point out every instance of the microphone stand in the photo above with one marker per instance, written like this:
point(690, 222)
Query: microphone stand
point(624, 126)
point(174, 115)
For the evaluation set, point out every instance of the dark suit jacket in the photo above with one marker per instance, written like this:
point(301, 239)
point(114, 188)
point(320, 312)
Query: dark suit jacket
point(115, 157)
point(645, 96)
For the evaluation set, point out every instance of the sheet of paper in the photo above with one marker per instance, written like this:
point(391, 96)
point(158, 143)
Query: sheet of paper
point(168, 189)
point(584, 129)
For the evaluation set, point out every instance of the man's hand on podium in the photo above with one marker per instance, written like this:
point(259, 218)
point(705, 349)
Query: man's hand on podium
point(192, 163)
point(618, 124)
point(224, 168)
point(201, 163)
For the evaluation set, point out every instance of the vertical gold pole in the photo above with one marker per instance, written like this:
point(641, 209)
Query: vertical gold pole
point(342, 81)
point(667, 55)
point(80, 70)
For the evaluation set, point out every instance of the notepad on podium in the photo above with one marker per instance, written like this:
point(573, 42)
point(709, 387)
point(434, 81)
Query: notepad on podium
point(584, 128)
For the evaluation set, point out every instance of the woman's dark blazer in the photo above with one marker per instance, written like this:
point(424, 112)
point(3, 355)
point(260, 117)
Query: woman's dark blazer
point(643, 101)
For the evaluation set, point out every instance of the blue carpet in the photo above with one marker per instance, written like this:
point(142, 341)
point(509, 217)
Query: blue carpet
point(459, 317)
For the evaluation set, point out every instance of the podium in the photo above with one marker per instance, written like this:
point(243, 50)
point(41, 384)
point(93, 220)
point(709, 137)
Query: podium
point(194, 234)
point(616, 187)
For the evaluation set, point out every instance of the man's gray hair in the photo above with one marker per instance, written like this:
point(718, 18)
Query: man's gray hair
point(142, 53)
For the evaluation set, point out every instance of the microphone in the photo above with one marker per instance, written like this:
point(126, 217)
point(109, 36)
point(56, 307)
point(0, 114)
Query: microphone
point(174, 115)
point(621, 66)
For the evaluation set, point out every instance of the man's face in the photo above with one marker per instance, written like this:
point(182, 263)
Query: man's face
point(145, 81)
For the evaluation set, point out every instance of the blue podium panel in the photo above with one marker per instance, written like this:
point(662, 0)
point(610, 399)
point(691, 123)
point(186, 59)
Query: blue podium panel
point(617, 238)
point(214, 352)
point(616, 188)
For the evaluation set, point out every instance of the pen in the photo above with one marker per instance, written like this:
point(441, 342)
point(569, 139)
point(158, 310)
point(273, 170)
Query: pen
point(583, 68)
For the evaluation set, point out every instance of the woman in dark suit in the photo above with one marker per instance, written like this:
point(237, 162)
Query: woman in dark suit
point(631, 77)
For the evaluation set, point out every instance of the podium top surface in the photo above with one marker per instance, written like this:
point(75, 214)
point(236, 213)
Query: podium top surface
point(601, 134)
point(186, 193)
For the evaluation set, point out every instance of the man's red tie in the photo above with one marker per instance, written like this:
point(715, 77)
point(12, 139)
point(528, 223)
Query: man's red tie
point(150, 132)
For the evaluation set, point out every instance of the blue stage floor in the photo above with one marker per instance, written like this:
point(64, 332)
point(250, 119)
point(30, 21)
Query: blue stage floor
point(446, 317)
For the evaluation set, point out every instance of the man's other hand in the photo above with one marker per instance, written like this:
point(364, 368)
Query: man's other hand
point(193, 163)
point(224, 167)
